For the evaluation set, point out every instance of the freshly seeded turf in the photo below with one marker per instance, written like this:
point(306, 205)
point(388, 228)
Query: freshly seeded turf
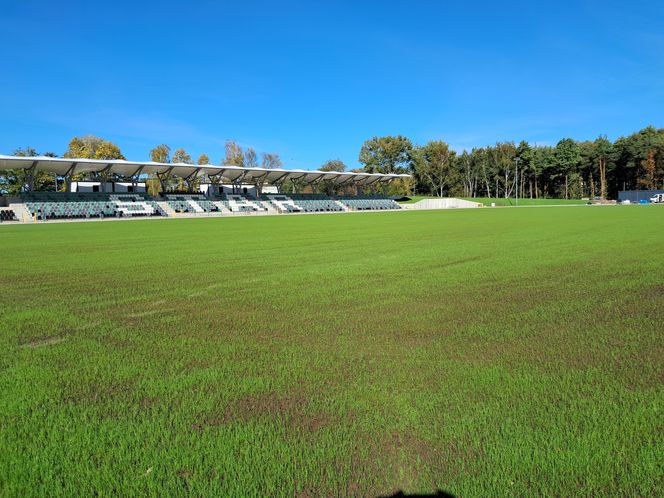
point(481, 352)
point(488, 201)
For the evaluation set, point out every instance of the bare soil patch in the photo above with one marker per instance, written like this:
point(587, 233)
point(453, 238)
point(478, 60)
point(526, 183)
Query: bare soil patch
point(43, 341)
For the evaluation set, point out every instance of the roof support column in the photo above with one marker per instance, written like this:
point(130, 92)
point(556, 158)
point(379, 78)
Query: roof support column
point(188, 181)
point(30, 176)
point(238, 183)
point(259, 182)
point(215, 180)
point(135, 177)
point(344, 184)
point(278, 182)
point(296, 185)
point(373, 184)
point(163, 179)
point(68, 174)
point(103, 174)
point(314, 183)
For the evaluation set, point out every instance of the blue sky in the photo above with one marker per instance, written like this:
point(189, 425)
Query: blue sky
point(313, 80)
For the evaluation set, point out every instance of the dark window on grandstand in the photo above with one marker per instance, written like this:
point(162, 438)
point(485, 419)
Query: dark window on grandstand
point(130, 188)
point(95, 188)
point(244, 189)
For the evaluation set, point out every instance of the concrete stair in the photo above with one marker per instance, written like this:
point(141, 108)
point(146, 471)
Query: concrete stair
point(196, 207)
point(268, 206)
point(166, 208)
point(22, 213)
point(342, 205)
point(222, 208)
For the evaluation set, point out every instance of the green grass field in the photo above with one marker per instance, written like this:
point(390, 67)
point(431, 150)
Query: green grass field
point(503, 352)
point(487, 201)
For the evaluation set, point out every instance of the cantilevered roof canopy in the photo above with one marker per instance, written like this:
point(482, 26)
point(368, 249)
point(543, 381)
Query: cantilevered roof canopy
point(68, 167)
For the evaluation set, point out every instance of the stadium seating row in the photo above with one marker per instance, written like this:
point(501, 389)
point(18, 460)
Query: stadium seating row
point(317, 203)
point(49, 210)
point(308, 203)
point(7, 215)
point(241, 203)
point(369, 203)
point(190, 203)
point(51, 205)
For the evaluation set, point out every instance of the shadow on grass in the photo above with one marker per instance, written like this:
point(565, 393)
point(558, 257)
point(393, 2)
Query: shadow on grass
point(438, 494)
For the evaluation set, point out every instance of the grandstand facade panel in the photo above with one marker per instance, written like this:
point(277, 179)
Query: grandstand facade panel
point(49, 206)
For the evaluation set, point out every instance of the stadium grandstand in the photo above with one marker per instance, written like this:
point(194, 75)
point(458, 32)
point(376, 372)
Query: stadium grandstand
point(117, 189)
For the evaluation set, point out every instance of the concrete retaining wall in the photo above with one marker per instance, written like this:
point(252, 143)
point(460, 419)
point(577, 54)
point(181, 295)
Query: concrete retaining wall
point(443, 203)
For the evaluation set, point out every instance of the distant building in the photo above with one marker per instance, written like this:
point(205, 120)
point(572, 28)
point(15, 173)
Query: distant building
point(635, 196)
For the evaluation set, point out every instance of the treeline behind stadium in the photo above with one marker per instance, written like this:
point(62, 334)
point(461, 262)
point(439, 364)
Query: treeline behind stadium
point(571, 169)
